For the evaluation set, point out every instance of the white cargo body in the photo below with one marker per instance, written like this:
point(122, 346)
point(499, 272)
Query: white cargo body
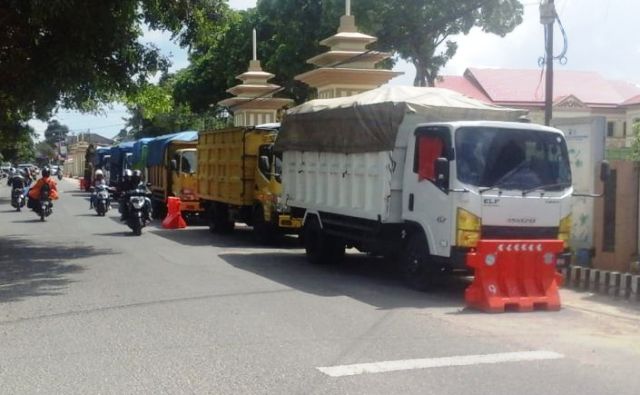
point(369, 184)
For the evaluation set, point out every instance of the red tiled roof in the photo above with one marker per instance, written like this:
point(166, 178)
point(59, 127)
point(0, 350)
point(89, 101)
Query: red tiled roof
point(462, 85)
point(503, 86)
point(633, 100)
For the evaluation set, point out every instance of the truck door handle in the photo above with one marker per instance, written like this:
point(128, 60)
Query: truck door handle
point(411, 202)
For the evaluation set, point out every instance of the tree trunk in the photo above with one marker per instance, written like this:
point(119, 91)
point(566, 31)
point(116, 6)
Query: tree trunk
point(423, 76)
point(420, 79)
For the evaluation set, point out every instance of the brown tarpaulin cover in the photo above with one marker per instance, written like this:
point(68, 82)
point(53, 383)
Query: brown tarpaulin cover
point(369, 122)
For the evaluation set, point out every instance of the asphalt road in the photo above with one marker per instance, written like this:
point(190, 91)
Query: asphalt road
point(86, 308)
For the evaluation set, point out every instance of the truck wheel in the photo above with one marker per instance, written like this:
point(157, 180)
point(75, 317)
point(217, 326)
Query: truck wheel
point(157, 210)
point(321, 249)
point(417, 270)
point(219, 221)
point(263, 232)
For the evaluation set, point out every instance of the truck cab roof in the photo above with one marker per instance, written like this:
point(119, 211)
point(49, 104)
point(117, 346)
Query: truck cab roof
point(494, 124)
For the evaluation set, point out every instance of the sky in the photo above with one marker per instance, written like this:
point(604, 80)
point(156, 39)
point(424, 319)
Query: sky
point(600, 38)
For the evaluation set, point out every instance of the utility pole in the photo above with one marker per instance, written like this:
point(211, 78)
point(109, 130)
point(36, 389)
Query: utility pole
point(547, 18)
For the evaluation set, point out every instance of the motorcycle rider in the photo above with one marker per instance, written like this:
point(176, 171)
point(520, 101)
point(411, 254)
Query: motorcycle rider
point(125, 185)
point(34, 192)
point(98, 180)
point(17, 180)
point(132, 182)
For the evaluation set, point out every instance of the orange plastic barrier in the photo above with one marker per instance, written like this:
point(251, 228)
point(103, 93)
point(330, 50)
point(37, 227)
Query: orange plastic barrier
point(514, 274)
point(174, 219)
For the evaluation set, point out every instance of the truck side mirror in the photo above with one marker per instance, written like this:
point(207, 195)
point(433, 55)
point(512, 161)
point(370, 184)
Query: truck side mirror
point(264, 164)
point(442, 173)
point(605, 171)
point(174, 165)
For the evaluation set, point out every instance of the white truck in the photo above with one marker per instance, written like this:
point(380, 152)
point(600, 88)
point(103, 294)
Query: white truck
point(421, 174)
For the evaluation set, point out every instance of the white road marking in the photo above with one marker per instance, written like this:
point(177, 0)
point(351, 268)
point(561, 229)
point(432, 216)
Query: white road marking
point(462, 360)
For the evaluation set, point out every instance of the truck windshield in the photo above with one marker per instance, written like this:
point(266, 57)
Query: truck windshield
point(512, 158)
point(189, 162)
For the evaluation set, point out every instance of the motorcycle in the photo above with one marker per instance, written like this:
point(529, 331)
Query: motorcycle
point(101, 199)
point(17, 193)
point(45, 206)
point(138, 209)
point(59, 174)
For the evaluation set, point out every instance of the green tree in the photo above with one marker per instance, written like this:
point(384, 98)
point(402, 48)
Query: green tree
point(154, 112)
point(55, 132)
point(78, 54)
point(17, 142)
point(45, 151)
point(635, 148)
point(421, 31)
point(289, 33)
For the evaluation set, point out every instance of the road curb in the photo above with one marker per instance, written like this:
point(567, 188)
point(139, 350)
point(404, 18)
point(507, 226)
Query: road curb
point(611, 283)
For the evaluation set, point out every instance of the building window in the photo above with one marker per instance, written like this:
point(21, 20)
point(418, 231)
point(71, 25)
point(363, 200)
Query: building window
point(610, 128)
point(624, 129)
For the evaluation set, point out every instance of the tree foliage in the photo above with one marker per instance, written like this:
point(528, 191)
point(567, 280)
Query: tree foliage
point(55, 132)
point(17, 142)
point(77, 54)
point(153, 112)
point(289, 31)
point(421, 31)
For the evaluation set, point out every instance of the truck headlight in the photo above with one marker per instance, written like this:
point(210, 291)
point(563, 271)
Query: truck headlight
point(564, 230)
point(467, 228)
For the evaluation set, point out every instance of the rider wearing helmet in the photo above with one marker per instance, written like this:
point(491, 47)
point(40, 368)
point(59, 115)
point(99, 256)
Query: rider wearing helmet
point(34, 192)
point(98, 180)
point(132, 181)
point(136, 178)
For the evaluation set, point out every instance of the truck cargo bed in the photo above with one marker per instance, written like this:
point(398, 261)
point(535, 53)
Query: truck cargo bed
point(357, 185)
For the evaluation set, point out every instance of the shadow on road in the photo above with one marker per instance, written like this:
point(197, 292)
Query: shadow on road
point(201, 236)
point(30, 268)
point(370, 280)
point(26, 221)
point(124, 233)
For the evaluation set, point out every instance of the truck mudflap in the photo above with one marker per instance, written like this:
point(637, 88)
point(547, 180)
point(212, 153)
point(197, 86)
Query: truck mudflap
point(515, 274)
point(190, 206)
point(289, 222)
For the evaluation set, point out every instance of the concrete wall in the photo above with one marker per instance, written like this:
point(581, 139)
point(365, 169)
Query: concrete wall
point(626, 220)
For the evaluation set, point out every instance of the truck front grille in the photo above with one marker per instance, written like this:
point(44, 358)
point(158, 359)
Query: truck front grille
point(519, 232)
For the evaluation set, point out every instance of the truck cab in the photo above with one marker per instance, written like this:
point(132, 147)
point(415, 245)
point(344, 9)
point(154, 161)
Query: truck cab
point(184, 180)
point(467, 181)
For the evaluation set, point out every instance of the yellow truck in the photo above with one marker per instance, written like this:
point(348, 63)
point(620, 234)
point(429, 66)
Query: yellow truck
point(171, 171)
point(239, 181)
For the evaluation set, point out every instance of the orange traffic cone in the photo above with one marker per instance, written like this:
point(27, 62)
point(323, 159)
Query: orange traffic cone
point(174, 219)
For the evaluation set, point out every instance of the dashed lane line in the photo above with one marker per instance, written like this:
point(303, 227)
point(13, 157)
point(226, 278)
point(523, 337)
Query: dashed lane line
point(425, 363)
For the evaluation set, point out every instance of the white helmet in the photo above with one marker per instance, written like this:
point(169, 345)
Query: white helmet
point(99, 173)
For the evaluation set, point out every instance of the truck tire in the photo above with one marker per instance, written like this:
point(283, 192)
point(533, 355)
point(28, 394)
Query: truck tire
point(321, 249)
point(416, 267)
point(158, 209)
point(219, 221)
point(263, 232)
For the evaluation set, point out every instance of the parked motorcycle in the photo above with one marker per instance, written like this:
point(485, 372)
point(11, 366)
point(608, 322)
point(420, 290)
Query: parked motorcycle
point(45, 207)
point(17, 193)
point(138, 209)
point(59, 174)
point(101, 199)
